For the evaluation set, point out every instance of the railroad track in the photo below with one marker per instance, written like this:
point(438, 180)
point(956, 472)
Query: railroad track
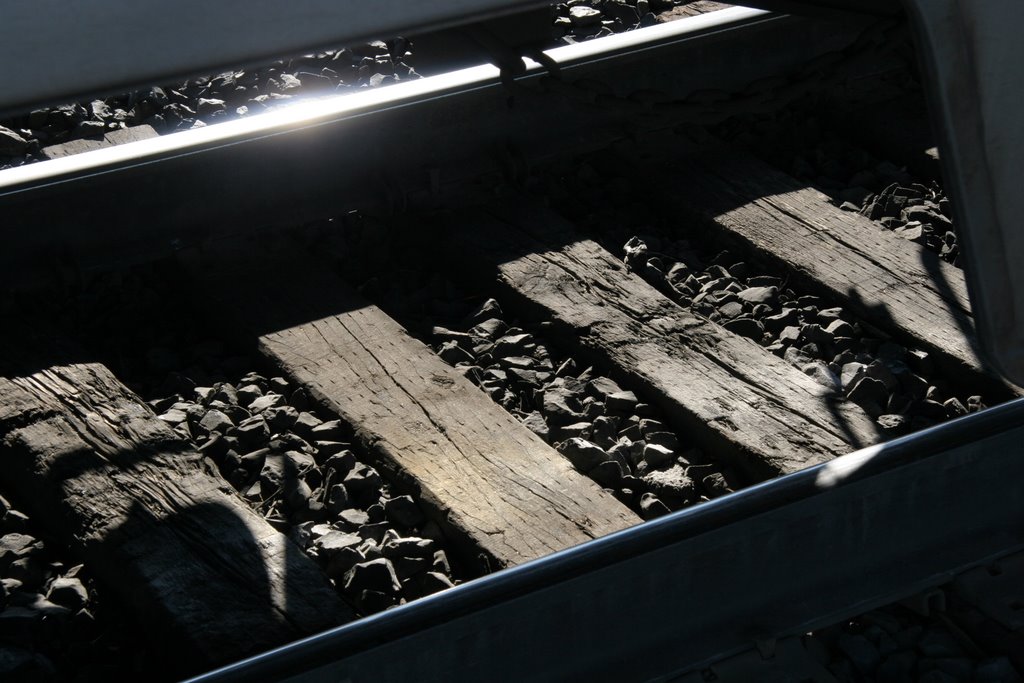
point(505, 362)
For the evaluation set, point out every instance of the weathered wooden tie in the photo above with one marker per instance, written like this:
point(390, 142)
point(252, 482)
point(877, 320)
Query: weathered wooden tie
point(892, 283)
point(210, 579)
point(114, 137)
point(728, 393)
point(691, 9)
point(490, 481)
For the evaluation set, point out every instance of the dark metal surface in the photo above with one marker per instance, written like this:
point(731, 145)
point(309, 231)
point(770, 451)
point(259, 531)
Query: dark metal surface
point(422, 142)
point(774, 560)
point(975, 65)
point(843, 9)
point(55, 52)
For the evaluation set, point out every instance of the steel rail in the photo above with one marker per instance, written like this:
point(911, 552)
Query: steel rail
point(317, 111)
point(663, 598)
point(426, 142)
point(57, 51)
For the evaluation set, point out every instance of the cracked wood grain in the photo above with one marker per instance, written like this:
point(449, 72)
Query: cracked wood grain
point(205, 575)
point(724, 391)
point(495, 486)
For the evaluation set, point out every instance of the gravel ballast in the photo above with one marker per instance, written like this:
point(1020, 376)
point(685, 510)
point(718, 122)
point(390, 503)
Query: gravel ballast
point(899, 387)
point(56, 623)
point(805, 143)
point(289, 460)
point(605, 430)
point(295, 466)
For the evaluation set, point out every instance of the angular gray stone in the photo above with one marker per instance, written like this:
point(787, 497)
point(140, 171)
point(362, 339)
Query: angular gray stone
point(868, 389)
point(305, 423)
point(795, 356)
point(266, 401)
point(583, 454)
point(337, 498)
point(247, 394)
point(673, 486)
point(602, 387)
point(666, 439)
point(651, 507)
point(678, 273)
point(173, 417)
point(840, 328)
point(733, 309)
point(434, 582)
point(402, 510)
point(561, 404)
point(489, 329)
point(821, 373)
point(745, 327)
point(576, 429)
point(282, 468)
point(332, 430)
point(334, 542)
point(216, 421)
point(452, 353)
point(789, 317)
point(281, 418)
point(226, 393)
point(485, 311)
point(362, 480)
point(850, 372)
point(656, 456)
point(15, 546)
point(813, 333)
point(375, 575)
point(621, 401)
point(536, 424)
point(760, 295)
point(410, 546)
point(68, 592)
point(354, 517)
point(880, 371)
point(954, 408)
point(11, 143)
point(209, 106)
point(608, 474)
point(892, 423)
point(408, 567)
point(251, 433)
point(512, 345)
point(715, 484)
point(635, 249)
point(790, 335)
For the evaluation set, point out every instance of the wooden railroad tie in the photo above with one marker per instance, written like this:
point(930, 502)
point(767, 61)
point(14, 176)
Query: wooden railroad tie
point(211, 579)
point(895, 285)
point(733, 397)
point(489, 481)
